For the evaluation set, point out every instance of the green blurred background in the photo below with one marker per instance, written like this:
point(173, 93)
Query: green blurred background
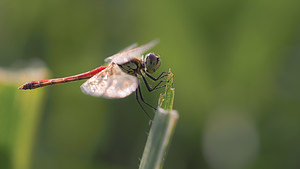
point(236, 66)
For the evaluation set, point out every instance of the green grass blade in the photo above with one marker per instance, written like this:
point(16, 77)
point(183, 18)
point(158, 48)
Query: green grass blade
point(162, 129)
point(20, 116)
point(166, 100)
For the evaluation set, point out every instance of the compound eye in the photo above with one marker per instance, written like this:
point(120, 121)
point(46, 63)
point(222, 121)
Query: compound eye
point(152, 62)
point(150, 58)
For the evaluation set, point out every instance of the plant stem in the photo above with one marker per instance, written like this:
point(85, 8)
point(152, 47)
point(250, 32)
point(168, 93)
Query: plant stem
point(162, 130)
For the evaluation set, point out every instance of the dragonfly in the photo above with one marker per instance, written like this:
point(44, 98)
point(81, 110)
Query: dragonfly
point(119, 78)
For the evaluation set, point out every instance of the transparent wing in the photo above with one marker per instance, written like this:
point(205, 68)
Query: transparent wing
point(112, 82)
point(129, 47)
point(128, 55)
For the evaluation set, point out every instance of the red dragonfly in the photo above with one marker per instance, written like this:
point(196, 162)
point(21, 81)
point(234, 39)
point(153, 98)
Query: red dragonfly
point(119, 78)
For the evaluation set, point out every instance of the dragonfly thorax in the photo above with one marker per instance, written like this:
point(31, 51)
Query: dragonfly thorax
point(151, 62)
point(132, 67)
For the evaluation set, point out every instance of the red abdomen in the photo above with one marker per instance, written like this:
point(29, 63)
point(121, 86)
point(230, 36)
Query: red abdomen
point(42, 83)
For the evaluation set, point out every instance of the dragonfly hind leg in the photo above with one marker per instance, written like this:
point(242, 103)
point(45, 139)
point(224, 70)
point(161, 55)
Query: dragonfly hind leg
point(140, 93)
point(137, 93)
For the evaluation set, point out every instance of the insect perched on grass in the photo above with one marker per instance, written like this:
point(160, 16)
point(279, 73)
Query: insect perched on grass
point(119, 78)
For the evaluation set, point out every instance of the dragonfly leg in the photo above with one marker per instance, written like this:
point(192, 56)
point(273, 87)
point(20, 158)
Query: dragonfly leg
point(150, 89)
point(162, 75)
point(141, 96)
point(137, 99)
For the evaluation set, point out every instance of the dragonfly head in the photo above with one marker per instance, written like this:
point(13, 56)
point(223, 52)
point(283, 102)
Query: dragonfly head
point(151, 62)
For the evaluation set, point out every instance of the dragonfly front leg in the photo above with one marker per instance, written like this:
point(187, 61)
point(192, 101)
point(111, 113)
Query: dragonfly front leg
point(162, 75)
point(150, 89)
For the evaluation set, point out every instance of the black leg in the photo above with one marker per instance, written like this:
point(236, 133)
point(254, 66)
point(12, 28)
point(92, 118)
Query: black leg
point(162, 75)
point(141, 96)
point(137, 99)
point(155, 87)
